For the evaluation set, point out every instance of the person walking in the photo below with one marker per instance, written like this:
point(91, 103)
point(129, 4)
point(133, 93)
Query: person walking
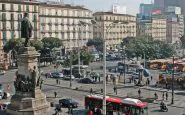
point(151, 78)
point(91, 91)
point(139, 92)
point(166, 96)
point(155, 95)
point(55, 93)
point(115, 89)
point(163, 96)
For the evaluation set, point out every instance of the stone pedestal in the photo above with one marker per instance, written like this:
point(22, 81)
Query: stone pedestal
point(28, 99)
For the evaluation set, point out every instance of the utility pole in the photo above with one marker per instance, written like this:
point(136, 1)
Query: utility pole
point(172, 101)
point(70, 69)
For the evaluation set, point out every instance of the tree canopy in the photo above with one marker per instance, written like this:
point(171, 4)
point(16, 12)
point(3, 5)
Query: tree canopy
point(97, 42)
point(152, 49)
point(51, 42)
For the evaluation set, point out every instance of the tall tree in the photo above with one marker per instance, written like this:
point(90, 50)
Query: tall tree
point(51, 42)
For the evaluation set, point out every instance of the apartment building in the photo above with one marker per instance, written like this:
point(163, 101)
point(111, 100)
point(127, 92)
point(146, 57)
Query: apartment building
point(144, 28)
point(11, 14)
point(159, 27)
point(114, 34)
point(63, 21)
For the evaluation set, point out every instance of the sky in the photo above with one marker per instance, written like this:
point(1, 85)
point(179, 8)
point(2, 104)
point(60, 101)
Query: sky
point(105, 5)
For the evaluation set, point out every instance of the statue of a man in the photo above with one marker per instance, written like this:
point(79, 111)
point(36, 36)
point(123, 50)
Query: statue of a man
point(26, 29)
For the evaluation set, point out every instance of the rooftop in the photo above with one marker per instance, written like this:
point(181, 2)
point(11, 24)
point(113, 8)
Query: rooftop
point(111, 13)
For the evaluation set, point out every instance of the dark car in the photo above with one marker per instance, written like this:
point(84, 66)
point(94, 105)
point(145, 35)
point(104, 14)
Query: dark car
point(86, 80)
point(68, 103)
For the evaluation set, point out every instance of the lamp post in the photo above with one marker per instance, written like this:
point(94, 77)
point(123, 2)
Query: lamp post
point(104, 60)
point(172, 101)
point(70, 69)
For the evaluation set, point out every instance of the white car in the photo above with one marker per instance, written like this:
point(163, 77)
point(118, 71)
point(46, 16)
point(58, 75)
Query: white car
point(57, 75)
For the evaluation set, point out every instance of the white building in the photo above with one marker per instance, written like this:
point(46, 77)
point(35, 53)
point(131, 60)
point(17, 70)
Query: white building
point(63, 21)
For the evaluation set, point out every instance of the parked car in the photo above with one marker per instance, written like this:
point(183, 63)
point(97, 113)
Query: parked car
point(68, 103)
point(86, 80)
point(2, 72)
point(57, 75)
point(67, 77)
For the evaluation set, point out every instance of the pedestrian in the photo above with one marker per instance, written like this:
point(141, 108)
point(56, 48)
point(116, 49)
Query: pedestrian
point(148, 81)
point(151, 78)
point(55, 93)
point(56, 81)
point(90, 112)
point(115, 89)
point(166, 95)
point(91, 91)
point(139, 92)
point(166, 85)
point(99, 79)
point(101, 90)
point(155, 95)
point(163, 96)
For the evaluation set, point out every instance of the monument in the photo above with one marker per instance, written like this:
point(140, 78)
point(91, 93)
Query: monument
point(28, 98)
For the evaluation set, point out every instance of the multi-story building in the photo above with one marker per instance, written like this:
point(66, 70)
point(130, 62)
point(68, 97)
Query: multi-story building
point(63, 21)
point(159, 26)
point(163, 4)
point(144, 28)
point(117, 32)
point(11, 14)
point(146, 9)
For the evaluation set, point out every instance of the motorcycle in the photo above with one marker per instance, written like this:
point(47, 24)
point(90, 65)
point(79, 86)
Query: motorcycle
point(164, 108)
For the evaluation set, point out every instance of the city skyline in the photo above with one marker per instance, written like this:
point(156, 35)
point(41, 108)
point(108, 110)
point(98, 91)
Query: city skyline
point(96, 5)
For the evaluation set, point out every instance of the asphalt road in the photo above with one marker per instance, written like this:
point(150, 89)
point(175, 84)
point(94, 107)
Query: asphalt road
point(9, 77)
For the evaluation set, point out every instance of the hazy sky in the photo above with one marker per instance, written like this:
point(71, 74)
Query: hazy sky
point(105, 5)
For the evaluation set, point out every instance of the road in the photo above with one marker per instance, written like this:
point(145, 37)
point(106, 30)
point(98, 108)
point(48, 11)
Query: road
point(9, 77)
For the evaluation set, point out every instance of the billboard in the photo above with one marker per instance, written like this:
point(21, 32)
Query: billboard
point(118, 9)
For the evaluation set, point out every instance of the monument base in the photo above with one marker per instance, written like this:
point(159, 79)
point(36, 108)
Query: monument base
point(25, 104)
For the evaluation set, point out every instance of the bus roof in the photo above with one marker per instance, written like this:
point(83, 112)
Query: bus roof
point(135, 102)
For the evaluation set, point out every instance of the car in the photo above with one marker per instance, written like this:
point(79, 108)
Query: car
point(68, 102)
point(135, 75)
point(67, 77)
point(57, 75)
point(2, 72)
point(86, 80)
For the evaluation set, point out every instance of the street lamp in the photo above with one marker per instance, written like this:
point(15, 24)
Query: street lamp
point(172, 101)
point(104, 60)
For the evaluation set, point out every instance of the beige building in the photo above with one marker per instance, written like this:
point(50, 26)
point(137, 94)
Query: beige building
point(159, 28)
point(116, 33)
point(144, 28)
point(63, 21)
point(11, 14)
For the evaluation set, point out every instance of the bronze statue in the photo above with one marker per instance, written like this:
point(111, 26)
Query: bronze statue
point(26, 29)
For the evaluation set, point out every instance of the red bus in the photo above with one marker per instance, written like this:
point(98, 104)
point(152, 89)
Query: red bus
point(116, 106)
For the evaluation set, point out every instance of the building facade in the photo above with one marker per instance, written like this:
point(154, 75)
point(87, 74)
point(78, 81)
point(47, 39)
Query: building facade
point(114, 34)
point(144, 28)
point(63, 21)
point(159, 28)
point(11, 14)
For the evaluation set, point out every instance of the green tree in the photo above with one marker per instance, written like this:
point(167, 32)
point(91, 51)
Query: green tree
point(51, 43)
point(97, 42)
point(138, 47)
point(37, 44)
point(183, 43)
point(13, 44)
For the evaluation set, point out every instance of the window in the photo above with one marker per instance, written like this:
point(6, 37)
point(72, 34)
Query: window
point(3, 16)
point(19, 8)
point(3, 7)
point(34, 17)
point(12, 17)
point(12, 34)
point(12, 7)
point(27, 8)
point(35, 8)
point(4, 35)
point(4, 25)
point(19, 17)
point(35, 25)
point(12, 26)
